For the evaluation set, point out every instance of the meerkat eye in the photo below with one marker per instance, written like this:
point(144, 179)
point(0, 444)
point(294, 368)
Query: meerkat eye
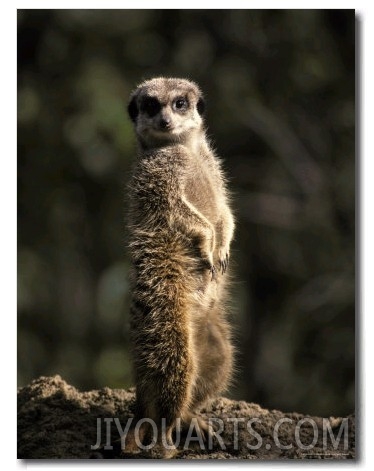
point(151, 106)
point(180, 104)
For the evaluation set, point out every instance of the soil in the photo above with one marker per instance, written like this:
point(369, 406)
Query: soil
point(55, 420)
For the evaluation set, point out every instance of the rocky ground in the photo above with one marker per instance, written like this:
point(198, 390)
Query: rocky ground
point(55, 420)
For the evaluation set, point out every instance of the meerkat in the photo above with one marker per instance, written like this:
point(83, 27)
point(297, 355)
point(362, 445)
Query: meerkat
point(180, 228)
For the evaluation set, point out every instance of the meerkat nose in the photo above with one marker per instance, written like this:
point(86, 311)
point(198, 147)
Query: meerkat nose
point(165, 122)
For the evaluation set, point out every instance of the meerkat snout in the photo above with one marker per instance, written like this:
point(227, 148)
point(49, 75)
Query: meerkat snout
point(165, 122)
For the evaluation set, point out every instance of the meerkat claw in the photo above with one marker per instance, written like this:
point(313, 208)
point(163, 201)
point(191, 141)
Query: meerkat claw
point(224, 264)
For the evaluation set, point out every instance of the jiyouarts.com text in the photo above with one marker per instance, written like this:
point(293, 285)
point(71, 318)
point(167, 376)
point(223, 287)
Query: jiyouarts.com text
point(237, 431)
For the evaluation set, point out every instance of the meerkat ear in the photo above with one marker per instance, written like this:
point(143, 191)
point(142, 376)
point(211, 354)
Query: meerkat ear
point(133, 109)
point(200, 106)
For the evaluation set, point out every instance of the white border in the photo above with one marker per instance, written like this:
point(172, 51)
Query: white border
point(364, 10)
point(193, 4)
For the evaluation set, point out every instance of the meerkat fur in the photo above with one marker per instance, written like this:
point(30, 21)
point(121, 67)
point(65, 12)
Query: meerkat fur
point(180, 228)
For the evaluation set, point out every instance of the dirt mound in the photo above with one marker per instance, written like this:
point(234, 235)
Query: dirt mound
point(55, 420)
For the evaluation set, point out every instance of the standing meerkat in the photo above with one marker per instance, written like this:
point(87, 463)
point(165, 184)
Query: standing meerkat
point(180, 229)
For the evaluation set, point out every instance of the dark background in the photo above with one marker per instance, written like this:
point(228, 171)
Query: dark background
point(280, 88)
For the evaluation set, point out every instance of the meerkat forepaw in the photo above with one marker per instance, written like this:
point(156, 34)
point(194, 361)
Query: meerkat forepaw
point(224, 258)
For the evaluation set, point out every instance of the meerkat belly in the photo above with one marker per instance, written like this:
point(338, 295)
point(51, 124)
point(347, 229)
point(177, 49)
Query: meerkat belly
point(200, 191)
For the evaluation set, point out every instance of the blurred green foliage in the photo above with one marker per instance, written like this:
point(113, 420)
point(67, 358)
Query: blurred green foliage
point(280, 87)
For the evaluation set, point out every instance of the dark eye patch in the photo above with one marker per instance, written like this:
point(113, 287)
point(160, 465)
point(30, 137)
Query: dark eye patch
point(150, 105)
point(180, 104)
point(200, 106)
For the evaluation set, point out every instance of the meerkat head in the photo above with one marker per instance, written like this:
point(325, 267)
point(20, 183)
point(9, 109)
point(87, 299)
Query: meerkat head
point(166, 110)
